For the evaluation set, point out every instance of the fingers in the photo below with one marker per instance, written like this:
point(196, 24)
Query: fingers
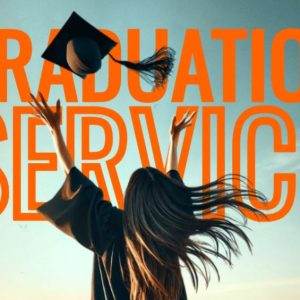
point(35, 115)
point(36, 109)
point(183, 118)
point(43, 111)
point(58, 107)
point(186, 119)
point(45, 108)
point(41, 96)
point(37, 103)
point(40, 117)
point(44, 102)
point(186, 125)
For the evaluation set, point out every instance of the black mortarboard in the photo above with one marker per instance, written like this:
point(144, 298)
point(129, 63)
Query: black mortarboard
point(79, 47)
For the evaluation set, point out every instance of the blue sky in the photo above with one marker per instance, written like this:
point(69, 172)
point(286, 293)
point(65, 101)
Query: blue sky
point(33, 251)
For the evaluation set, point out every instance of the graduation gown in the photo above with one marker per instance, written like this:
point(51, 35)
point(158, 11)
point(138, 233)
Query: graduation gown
point(79, 210)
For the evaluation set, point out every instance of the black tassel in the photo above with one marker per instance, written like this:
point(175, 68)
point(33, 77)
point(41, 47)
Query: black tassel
point(154, 69)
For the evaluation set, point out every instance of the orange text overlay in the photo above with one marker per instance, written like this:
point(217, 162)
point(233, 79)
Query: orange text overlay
point(116, 131)
point(192, 51)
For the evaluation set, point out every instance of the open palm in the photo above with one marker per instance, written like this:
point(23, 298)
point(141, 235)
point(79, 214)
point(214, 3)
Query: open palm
point(185, 121)
point(44, 112)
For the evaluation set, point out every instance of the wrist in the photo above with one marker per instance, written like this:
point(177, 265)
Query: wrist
point(174, 138)
point(55, 130)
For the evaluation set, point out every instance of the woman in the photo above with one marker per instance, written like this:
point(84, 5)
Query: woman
point(137, 252)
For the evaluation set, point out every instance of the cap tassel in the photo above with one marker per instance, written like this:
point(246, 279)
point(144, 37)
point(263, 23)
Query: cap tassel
point(154, 69)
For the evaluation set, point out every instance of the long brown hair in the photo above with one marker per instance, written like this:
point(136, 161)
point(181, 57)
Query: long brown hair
point(161, 215)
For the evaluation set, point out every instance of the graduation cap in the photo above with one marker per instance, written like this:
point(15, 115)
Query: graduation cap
point(79, 48)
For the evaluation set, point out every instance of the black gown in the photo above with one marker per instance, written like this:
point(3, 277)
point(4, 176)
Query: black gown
point(97, 225)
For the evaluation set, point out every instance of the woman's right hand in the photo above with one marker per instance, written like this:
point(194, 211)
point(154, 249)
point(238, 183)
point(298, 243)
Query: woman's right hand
point(43, 111)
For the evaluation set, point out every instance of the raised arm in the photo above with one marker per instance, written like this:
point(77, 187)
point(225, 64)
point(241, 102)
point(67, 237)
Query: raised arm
point(52, 120)
point(77, 208)
point(176, 128)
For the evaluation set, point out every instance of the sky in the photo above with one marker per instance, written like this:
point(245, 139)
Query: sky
point(37, 261)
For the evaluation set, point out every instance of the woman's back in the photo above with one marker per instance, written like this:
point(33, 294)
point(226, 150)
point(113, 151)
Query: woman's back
point(78, 209)
point(137, 251)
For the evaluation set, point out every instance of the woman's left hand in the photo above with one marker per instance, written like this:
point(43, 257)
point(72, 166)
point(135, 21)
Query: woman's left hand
point(185, 121)
point(43, 111)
